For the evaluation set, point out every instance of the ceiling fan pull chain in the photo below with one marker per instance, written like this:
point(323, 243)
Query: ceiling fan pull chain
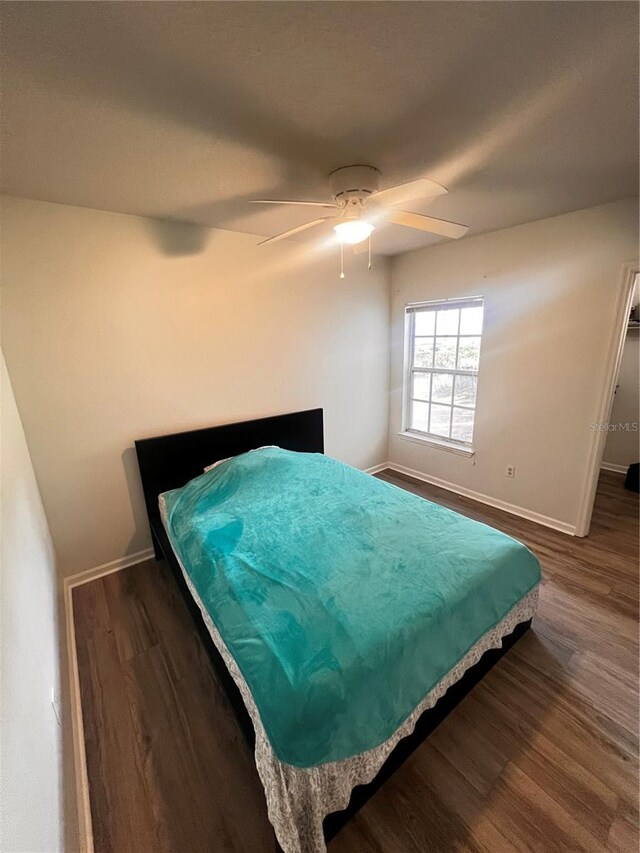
point(341, 260)
point(369, 267)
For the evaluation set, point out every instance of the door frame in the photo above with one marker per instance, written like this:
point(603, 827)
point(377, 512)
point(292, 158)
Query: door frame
point(614, 359)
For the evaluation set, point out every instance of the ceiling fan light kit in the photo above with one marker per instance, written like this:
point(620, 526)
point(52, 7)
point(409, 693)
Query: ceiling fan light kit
point(356, 193)
point(353, 231)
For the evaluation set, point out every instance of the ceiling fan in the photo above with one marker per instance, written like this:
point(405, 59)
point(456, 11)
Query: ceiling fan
point(360, 206)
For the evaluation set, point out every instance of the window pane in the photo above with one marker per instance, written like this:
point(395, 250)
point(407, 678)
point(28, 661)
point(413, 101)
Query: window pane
point(468, 353)
point(442, 388)
point(471, 321)
point(462, 426)
point(421, 386)
point(440, 416)
point(420, 416)
point(447, 323)
point(425, 322)
point(446, 352)
point(465, 390)
point(440, 397)
point(423, 352)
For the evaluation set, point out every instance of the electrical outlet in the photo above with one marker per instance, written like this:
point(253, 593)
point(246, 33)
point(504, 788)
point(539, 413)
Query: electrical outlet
point(510, 471)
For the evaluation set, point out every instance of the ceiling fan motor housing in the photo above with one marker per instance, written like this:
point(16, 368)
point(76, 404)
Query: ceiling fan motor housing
point(354, 182)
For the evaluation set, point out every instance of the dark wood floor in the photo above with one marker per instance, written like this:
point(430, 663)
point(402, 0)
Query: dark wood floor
point(541, 756)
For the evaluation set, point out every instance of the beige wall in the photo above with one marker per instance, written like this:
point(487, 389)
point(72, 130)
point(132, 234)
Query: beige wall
point(30, 735)
point(118, 327)
point(550, 290)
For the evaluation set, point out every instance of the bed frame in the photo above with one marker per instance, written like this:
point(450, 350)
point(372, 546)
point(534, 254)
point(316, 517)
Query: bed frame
point(170, 461)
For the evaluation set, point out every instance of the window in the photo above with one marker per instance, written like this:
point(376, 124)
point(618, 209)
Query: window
point(441, 373)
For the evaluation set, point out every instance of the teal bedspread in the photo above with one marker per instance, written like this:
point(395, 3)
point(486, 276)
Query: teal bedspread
point(343, 599)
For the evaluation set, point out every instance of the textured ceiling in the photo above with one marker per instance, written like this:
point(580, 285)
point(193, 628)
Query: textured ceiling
point(188, 110)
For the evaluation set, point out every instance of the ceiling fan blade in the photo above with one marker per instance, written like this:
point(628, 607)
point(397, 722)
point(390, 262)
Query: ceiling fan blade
point(422, 188)
point(291, 201)
point(293, 231)
point(426, 223)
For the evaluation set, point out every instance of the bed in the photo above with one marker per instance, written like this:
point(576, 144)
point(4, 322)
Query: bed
point(344, 616)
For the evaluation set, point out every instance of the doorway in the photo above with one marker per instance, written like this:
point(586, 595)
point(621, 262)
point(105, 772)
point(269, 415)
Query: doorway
point(627, 292)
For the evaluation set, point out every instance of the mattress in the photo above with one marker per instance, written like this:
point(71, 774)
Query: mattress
point(342, 606)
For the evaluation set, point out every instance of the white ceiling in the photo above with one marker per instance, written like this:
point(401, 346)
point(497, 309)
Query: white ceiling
point(188, 110)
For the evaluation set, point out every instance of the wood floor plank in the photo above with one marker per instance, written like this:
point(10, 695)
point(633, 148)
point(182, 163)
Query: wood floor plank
point(114, 765)
point(541, 756)
point(168, 746)
point(549, 825)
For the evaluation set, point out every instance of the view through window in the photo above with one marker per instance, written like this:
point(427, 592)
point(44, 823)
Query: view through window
point(441, 379)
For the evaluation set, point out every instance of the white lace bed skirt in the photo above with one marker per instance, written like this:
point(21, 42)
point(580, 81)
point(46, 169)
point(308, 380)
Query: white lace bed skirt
point(299, 798)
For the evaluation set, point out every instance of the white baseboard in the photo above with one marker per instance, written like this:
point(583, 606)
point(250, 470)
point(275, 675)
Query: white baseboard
point(375, 468)
point(521, 512)
point(609, 466)
point(85, 827)
point(108, 568)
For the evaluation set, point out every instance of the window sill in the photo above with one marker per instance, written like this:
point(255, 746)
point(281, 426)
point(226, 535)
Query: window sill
point(441, 444)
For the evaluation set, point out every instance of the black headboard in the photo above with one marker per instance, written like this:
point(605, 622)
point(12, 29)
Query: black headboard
point(169, 461)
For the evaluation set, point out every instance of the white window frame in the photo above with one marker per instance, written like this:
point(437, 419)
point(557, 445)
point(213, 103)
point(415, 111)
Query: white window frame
point(455, 445)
